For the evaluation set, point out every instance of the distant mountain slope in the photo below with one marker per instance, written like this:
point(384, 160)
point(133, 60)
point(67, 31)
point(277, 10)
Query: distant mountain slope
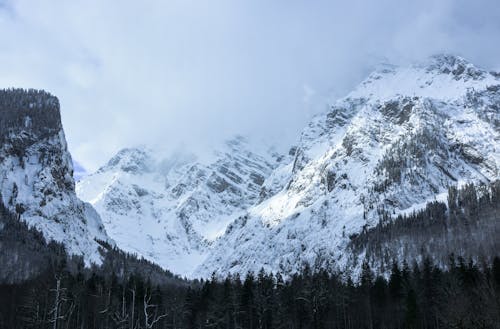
point(171, 210)
point(36, 171)
point(400, 139)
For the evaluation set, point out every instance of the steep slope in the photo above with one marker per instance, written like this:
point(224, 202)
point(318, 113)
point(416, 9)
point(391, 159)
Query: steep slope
point(400, 139)
point(171, 210)
point(36, 171)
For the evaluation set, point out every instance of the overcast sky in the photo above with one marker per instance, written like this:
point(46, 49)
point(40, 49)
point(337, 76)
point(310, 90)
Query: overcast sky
point(192, 73)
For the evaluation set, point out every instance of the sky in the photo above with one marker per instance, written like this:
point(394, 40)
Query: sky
point(190, 74)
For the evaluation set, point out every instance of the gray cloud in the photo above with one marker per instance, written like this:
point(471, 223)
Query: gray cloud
point(195, 72)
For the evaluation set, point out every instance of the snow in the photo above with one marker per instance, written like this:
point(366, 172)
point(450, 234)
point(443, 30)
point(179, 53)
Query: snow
point(440, 197)
point(422, 80)
point(49, 200)
point(168, 211)
point(304, 222)
point(433, 121)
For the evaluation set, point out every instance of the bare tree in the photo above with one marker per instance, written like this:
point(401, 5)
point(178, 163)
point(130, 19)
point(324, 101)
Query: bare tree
point(150, 320)
point(133, 308)
point(106, 311)
point(59, 299)
point(120, 318)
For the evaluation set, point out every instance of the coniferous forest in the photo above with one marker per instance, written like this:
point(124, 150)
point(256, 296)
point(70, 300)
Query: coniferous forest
point(464, 296)
point(42, 287)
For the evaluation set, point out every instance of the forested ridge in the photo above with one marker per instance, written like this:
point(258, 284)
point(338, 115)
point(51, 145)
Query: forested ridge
point(42, 287)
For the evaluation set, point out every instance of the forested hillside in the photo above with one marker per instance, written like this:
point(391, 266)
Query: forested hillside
point(467, 225)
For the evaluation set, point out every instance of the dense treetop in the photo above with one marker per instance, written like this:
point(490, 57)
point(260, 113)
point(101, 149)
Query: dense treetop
point(31, 110)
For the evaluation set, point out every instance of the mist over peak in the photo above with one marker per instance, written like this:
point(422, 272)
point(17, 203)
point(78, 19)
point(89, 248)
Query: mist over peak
point(190, 75)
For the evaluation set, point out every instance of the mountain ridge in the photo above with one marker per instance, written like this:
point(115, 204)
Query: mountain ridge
point(403, 136)
point(175, 206)
point(399, 139)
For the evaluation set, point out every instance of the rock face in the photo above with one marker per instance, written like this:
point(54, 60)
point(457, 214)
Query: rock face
point(170, 210)
point(36, 172)
point(400, 139)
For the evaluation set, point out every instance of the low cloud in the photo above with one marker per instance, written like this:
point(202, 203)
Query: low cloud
point(192, 73)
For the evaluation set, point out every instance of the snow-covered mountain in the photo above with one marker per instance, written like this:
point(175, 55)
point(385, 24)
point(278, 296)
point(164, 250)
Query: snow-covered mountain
point(170, 210)
point(36, 173)
point(398, 140)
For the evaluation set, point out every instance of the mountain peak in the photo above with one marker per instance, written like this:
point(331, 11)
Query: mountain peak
point(454, 65)
point(132, 160)
point(444, 77)
point(178, 205)
point(447, 58)
point(402, 137)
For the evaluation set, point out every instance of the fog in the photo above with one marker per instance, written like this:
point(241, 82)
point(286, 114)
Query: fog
point(193, 73)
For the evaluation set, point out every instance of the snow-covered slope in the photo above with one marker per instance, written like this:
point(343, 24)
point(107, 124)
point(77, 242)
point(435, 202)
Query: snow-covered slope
point(36, 172)
point(399, 139)
point(171, 210)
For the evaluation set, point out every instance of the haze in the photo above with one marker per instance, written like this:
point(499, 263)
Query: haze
point(193, 73)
